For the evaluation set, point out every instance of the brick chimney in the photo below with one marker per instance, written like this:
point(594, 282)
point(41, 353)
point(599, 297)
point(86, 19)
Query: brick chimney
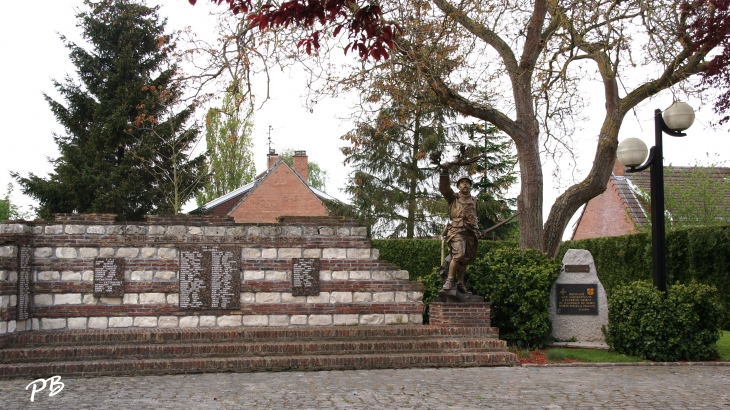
point(273, 156)
point(618, 168)
point(301, 164)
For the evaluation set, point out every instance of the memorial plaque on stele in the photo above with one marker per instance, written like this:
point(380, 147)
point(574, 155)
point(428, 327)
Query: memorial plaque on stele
point(210, 277)
point(305, 277)
point(109, 277)
point(576, 299)
point(24, 268)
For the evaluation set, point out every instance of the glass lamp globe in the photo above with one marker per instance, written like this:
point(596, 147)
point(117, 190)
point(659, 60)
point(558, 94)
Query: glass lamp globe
point(679, 116)
point(631, 152)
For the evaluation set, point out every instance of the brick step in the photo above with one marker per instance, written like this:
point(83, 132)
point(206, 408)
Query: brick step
point(256, 364)
point(189, 350)
point(75, 338)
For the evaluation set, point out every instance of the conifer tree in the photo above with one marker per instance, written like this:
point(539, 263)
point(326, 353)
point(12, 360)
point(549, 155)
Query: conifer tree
point(119, 118)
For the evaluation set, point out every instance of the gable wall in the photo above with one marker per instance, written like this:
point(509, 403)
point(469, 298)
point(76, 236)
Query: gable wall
point(604, 215)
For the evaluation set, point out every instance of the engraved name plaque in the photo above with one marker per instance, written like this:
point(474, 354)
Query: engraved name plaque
point(210, 277)
point(109, 277)
point(305, 277)
point(24, 265)
point(576, 299)
point(577, 268)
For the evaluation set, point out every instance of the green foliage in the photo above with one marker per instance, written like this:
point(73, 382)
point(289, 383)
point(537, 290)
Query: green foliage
point(683, 325)
point(228, 139)
point(699, 201)
point(701, 254)
point(723, 346)
point(317, 176)
point(126, 147)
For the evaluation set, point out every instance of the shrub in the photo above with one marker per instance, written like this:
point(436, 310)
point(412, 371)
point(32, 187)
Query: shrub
point(518, 285)
point(684, 325)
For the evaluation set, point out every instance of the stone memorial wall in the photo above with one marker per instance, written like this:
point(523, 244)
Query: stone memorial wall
point(193, 271)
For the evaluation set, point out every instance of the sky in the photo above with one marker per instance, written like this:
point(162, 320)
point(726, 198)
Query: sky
point(34, 55)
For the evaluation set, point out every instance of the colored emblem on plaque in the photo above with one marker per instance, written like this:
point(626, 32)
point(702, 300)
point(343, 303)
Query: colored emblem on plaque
point(590, 291)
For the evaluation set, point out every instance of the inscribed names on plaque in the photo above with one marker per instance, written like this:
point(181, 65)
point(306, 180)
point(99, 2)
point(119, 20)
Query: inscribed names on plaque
point(577, 268)
point(24, 265)
point(210, 277)
point(305, 277)
point(109, 277)
point(576, 299)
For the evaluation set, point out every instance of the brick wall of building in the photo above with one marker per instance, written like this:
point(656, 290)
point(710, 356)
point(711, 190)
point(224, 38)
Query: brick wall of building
point(355, 287)
point(604, 215)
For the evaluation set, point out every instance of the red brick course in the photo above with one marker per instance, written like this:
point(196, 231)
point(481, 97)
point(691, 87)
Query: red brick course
point(460, 314)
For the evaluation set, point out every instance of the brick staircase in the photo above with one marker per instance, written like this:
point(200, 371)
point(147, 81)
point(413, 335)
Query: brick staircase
point(173, 351)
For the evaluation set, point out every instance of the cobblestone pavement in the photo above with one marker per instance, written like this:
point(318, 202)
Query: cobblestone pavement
point(619, 387)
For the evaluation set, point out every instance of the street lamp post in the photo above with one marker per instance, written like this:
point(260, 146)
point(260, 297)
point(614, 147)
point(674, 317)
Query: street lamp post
point(631, 153)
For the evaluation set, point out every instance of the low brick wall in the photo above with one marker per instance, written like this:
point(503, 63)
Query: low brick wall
point(54, 285)
point(460, 314)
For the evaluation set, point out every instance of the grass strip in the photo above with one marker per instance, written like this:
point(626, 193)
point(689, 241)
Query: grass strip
point(588, 355)
point(723, 345)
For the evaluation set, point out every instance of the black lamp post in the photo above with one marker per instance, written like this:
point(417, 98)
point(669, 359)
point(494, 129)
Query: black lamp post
point(631, 153)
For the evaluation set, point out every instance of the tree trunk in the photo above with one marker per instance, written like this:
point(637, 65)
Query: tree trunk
point(411, 219)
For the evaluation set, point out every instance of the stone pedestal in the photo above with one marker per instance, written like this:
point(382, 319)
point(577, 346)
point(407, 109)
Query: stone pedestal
point(460, 314)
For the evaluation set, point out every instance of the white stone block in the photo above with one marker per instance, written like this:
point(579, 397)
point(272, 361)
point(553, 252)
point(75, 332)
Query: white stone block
point(358, 253)
point(287, 297)
point(343, 231)
point(114, 230)
point(36, 230)
point(400, 274)
point(75, 229)
point(334, 253)
point(3, 328)
point(360, 275)
point(248, 297)
point(67, 299)
point(340, 297)
point(291, 231)
point(167, 321)
point(279, 320)
point(345, 320)
point(13, 326)
point(229, 321)
point(236, 231)
point(13, 300)
point(54, 229)
point(39, 253)
point(374, 319)
point(141, 275)
point(415, 296)
point(42, 300)
point(130, 298)
point(383, 297)
point(298, 320)
point(268, 297)
point(362, 297)
point(250, 253)
point(89, 299)
point(77, 323)
point(145, 321)
point(254, 231)
point(274, 275)
point(254, 275)
point(135, 230)
point(127, 252)
point(325, 275)
point(52, 323)
point(98, 323)
point(173, 298)
point(375, 254)
point(70, 276)
point(340, 275)
point(319, 320)
point(176, 230)
point(415, 319)
point(401, 297)
point(268, 253)
point(124, 321)
point(188, 321)
point(148, 252)
point(271, 230)
point(152, 298)
point(255, 320)
point(381, 275)
point(195, 230)
point(3, 275)
point(22, 325)
point(87, 276)
point(66, 253)
point(215, 230)
point(289, 253)
point(106, 252)
point(47, 275)
point(359, 231)
point(326, 231)
point(165, 275)
point(155, 230)
point(4, 301)
point(96, 230)
point(12, 276)
point(312, 253)
point(88, 252)
point(167, 253)
point(323, 297)
point(396, 319)
point(110, 301)
point(207, 321)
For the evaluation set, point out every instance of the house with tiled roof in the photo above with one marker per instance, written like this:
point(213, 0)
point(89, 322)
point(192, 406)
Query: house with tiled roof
point(623, 209)
point(279, 191)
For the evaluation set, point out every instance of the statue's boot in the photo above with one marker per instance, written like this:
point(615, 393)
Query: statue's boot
point(450, 282)
point(460, 285)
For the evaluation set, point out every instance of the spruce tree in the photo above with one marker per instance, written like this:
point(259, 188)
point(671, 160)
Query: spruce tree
point(119, 118)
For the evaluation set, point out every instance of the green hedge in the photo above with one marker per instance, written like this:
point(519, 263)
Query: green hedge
point(684, 325)
point(420, 256)
point(701, 254)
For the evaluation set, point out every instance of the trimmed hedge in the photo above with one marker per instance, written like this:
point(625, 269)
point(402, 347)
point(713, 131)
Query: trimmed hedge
point(700, 254)
point(420, 256)
point(684, 325)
